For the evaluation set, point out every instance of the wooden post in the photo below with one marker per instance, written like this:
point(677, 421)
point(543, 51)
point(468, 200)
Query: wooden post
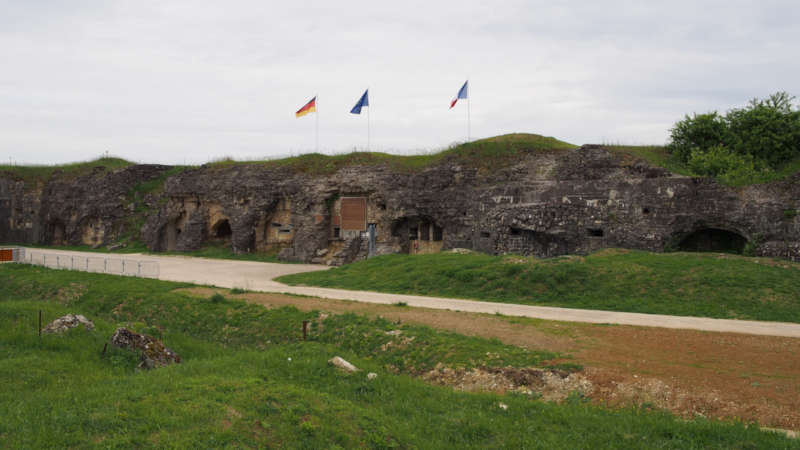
point(105, 347)
point(305, 329)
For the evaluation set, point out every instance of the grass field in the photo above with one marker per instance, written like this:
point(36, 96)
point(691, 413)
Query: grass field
point(248, 380)
point(686, 284)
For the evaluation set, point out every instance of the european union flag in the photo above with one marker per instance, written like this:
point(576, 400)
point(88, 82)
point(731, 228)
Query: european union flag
point(363, 101)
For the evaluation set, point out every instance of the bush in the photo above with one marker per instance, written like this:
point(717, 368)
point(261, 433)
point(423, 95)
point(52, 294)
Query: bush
point(697, 133)
point(726, 165)
point(766, 129)
point(742, 145)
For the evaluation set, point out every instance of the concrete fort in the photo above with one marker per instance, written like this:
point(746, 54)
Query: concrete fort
point(545, 203)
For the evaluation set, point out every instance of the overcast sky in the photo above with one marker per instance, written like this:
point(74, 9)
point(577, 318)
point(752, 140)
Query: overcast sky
point(190, 81)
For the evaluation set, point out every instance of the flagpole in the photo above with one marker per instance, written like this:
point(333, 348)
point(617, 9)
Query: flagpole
point(469, 125)
point(368, 132)
point(316, 149)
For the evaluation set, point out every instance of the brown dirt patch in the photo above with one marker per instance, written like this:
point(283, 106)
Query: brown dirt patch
point(548, 384)
point(68, 294)
point(547, 335)
point(719, 375)
point(723, 375)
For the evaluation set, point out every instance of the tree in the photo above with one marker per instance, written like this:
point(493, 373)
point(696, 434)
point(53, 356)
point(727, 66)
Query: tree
point(697, 133)
point(768, 129)
point(764, 133)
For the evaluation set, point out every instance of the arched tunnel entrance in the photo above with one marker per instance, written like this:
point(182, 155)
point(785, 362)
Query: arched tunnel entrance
point(713, 240)
point(222, 229)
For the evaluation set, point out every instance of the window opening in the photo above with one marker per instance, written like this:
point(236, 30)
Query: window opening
point(594, 232)
point(424, 231)
point(437, 233)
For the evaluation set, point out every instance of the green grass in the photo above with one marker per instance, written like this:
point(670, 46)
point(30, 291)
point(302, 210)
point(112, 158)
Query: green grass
point(223, 250)
point(156, 185)
point(238, 324)
point(686, 284)
point(248, 381)
point(485, 153)
point(42, 173)
point(655, 155)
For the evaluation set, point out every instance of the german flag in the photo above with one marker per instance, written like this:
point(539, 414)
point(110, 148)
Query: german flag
point(310, 107)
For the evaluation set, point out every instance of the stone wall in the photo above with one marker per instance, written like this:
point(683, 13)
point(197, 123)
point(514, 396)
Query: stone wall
point(547, 204)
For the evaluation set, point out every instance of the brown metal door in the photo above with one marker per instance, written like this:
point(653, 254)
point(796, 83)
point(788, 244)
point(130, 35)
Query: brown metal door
point(354, 213)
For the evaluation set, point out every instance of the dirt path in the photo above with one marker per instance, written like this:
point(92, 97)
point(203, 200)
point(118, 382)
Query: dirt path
point(691, 373)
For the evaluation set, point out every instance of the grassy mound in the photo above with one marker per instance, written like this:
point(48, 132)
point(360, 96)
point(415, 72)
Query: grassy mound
point(687, 284)
point(247, 380)
point(493, 152)
point(33, 174)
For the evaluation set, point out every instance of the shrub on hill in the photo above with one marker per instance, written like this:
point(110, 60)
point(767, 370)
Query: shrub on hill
point(742, 146)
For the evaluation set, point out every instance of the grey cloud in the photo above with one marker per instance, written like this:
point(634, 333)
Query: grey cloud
point(181, 80)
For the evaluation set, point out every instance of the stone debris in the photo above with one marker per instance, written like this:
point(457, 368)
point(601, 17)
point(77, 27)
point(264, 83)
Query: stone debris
point(502, 406)
point(461, 251)
point(550, 384)
point(68, 322)
point(372, 376)
point(339, 362)
point(153, 353)
point(394, 332)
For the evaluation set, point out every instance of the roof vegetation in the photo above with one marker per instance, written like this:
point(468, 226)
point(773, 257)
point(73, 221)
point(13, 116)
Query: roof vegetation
point(485, 154)
point(42, 173)
point(659, 156)
point(491, 152)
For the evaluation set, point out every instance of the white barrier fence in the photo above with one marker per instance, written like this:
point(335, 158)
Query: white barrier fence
point(99, 264)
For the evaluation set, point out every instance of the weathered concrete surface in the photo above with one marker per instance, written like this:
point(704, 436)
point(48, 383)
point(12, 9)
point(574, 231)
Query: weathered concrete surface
point(257, 276)
point(93, 209)
point(545, 204)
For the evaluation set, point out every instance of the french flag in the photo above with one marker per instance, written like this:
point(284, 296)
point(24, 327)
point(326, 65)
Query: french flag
point(462, 93)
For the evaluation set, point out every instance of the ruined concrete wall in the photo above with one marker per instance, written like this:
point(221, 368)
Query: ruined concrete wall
point(92, 209)
point(19, 211)
point(547, 204)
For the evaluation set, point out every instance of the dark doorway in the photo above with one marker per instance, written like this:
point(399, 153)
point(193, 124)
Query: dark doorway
point(713, 240)
point(222, 229)
point(58, 233)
